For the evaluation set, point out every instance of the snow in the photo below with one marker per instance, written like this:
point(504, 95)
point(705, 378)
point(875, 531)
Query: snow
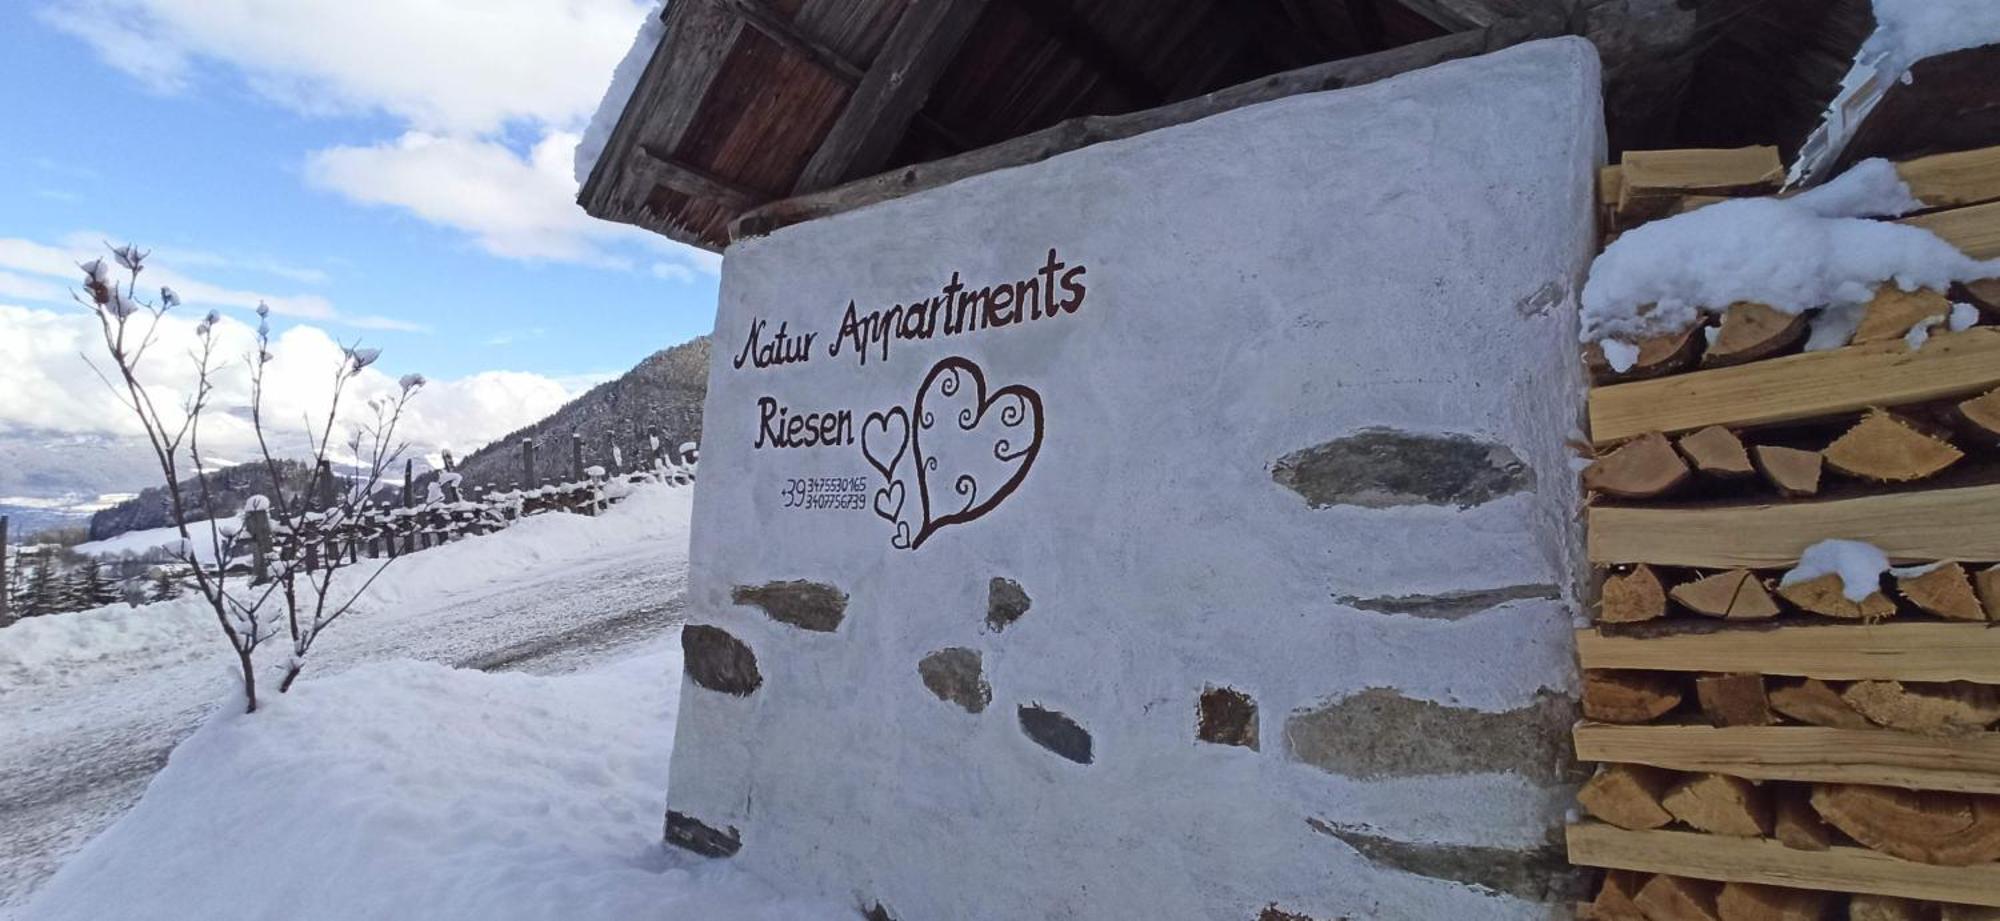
point(1859, 564)
point(1963, 317)
point(1795, 254)
point(1907, 31)
point(624, 80)
point(412, 790)
point(152, 539)
point(58, 648)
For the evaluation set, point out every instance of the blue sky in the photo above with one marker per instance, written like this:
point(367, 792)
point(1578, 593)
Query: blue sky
point(394, 170)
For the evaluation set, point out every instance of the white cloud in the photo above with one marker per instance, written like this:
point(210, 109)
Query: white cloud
point(461, 75)
point(458, 66)
point(46, 386)
point(56, 266)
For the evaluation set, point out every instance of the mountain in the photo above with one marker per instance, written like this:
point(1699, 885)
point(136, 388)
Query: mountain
point(664, 391)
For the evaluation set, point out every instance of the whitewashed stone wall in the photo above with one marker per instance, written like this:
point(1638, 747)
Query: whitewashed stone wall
point(1270, 617)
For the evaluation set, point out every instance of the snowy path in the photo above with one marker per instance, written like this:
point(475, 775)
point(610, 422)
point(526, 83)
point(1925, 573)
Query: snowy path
point(74, 756)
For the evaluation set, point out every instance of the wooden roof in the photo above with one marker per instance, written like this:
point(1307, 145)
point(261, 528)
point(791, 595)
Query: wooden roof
point(757, 113)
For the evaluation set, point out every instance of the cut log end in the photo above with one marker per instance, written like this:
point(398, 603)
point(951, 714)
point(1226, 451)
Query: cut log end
point(1950, 829)
point(1816, 703)
point(1642, 468)
point(1615, 896)
point(1827, 597)
point(1628, 796)
point(1983, 413)
point(1734, 700)
point(1987, 584)
point(1941, 709)
point(1945, 591)
point(1722, 805)
point(1658, 355)
point(1632, 597)
point(1794, 821)
point(1865, 907)
point(1752, 902)
point(1751, 331)
point(1716, 451)
point(1629, 697)
point(1888, 449)
point(1678, 898)
point(1792, 471)
point(1734, 595)
point(1893, 312)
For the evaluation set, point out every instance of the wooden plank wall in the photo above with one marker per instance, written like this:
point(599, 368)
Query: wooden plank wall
point(1771, 751)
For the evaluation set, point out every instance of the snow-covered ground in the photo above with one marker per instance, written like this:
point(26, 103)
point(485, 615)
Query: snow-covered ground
point(95, 701)
point(412, 790)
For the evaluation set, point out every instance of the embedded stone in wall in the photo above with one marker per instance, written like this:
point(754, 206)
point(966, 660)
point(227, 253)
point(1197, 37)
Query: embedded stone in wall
point(1537, 874)
point(1380, 733)
point(689, 833)
point(1272, 912)
point(955, 675)
point(806, 605)
point(719, 662)
point(1057, 733)
point(1452, 605)
point(1226, 716)
point(1380, 468)
point(1005, 603)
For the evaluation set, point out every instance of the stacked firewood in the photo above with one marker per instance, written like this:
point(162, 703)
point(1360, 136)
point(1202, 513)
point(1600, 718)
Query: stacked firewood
point(1773, 748)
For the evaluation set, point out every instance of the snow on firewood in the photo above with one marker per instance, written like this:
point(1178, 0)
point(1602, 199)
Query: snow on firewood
point(1812, 250)
point(1907, 31)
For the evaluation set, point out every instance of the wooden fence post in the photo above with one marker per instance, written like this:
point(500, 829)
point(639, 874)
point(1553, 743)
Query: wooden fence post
point(326, 487)
point(528, 462)
point(576, 456)
point(409, 473)
point(658, 446)
point(616, 460)
point(258, 522)
point(449, 467)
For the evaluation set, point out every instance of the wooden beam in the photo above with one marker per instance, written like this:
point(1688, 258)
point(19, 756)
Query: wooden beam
point(1768, 861)
point(761, 17)
point(1963, 764)
point(1085, 131)
point(1061, 21)
point(925, 40)
point(654, 168)
point(1799, 386)
point(1954, 180)
point(1907, 651)
point(1975, 230)
point(698, 37)
point(1911, 527)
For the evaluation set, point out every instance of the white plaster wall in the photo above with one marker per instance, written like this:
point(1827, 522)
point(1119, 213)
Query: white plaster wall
point(1402, 254)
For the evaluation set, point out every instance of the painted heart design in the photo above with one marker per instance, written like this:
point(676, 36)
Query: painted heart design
point(879, 432)
point(972, 448)
point(889, 500)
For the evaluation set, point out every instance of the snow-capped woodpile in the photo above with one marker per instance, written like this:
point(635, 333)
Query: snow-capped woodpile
point(1793, 681)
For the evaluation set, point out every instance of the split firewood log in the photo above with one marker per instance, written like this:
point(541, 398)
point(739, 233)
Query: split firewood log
point(1751, 331)
point(1734, 595)
point(1794, 821)
point(1629, 697)
point(1893, 311)
point(1658, 355)
point(1826, 596)
point(1954, 912)
point(1753, 902)
point(1945, 591)
point(1716, 451)
point(1984, 294)
point(1816, 703)
point(1678, 898)
point(1631, 597)
point(1614, 897)
point(1734, 700)
point(1720, 804)
point(1927, 826)
point(1628, 796)
point(1641, 468)
point(1792, 471)
point(1983, 412)
point(1864, 907)
point(1987, 583)
point(1888, 449)
point(1944, 708)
